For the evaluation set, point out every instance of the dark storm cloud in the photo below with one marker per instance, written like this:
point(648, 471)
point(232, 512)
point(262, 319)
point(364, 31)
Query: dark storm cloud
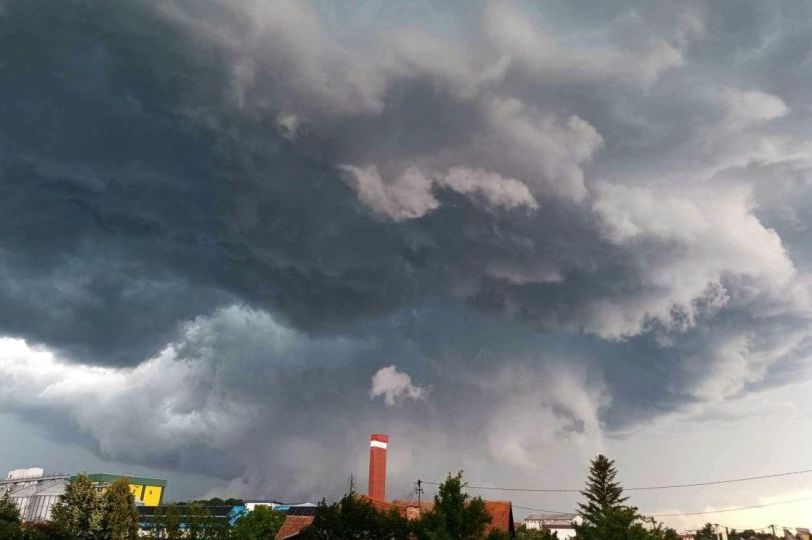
point(552, 216)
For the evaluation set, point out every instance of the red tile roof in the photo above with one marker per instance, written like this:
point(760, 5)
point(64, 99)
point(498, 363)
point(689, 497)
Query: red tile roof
point(501, 513)
point(501, 516)
point(292, 525)
point(381, 506)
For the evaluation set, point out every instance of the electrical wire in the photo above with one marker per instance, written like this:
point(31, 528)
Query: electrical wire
point(679, 514)
point(732, 509)
point(641, 488)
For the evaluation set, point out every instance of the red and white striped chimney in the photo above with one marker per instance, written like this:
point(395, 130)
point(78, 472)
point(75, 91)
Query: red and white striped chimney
point(377, 466)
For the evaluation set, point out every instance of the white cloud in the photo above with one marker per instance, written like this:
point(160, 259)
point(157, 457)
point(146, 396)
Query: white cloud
point(288, 125)
point(395, 387)
point(515, 36)
point(497, 191)
point(546, 152)
point(747, 106)
point(408, 196)
point(689, 240)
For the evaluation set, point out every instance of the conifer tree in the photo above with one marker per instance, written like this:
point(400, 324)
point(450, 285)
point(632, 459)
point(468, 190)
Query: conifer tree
point(604, 515)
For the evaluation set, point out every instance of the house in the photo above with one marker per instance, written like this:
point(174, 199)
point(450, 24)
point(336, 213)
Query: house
point(561, 524)
point(296, 519)
point(501, 513)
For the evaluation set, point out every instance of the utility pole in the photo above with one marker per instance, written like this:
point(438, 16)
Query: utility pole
point(419, 490)
point(772, 528)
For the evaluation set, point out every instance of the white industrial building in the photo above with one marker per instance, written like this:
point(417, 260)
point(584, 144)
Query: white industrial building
point(34, 491)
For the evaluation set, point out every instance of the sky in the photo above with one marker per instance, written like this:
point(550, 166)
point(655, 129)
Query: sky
point(237, 237)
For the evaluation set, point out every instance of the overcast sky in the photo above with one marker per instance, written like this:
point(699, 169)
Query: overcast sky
point(239, 236)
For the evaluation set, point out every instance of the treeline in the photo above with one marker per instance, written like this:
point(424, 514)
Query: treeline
point(456, 516)
point(85, 512)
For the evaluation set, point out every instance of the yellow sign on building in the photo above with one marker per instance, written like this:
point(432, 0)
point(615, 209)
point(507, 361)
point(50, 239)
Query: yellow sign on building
point(148, 491)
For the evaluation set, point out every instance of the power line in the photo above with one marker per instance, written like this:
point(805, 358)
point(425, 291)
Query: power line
point(540, 509)
point(732, 509)
point(680, 514)
point(641, 488)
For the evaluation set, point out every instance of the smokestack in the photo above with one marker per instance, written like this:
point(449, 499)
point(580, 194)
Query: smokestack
point(377, 466)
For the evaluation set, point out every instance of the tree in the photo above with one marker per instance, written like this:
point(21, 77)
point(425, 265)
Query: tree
point(43, 530)
point(259, 524)
point(79, 511)
point(355, 517)
point(171, 523)
point(523, 533)
point(662, 533)
point(455, 516)
point(10, 522)
point(604, 515)
point(196, 521)
point(706, 533)
point(121, 517)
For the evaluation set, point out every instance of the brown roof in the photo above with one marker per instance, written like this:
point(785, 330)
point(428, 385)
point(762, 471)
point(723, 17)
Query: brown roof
point(292, 525)
point(501, 513)
point(501, 516)
point(377, 504)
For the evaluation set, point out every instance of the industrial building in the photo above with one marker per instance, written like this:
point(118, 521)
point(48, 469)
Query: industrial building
point(35, 491)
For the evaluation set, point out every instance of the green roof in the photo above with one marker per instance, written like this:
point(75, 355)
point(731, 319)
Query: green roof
point(110, 478)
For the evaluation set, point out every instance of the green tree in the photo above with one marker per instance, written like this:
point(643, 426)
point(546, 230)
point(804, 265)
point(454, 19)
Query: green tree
point(259, 524)
point(523, 533)
point(196, 521)
point(43, 530)
point(10, 522)
point(79, 511)
point(706, 533)
point(166, 523)
point(121, 517)
point(658, 532)
point(455, 516)
point(354, 517)
point(9, 513)
point(604, 515)
point(171, 523)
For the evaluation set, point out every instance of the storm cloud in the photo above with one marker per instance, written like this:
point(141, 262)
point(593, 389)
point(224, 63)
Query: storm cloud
point(504, 232)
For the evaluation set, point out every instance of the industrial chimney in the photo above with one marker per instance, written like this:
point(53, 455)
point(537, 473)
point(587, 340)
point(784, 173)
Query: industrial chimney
point(377, 466)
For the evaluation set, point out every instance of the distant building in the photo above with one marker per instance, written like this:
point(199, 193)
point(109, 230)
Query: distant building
point(35, 491)
point(276, 505)
point(149, 517)
point(562, 524)
point(296, 519)
point(501, 512)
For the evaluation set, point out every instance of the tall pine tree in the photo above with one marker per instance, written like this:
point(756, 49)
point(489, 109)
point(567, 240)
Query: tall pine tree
point(604, 515)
